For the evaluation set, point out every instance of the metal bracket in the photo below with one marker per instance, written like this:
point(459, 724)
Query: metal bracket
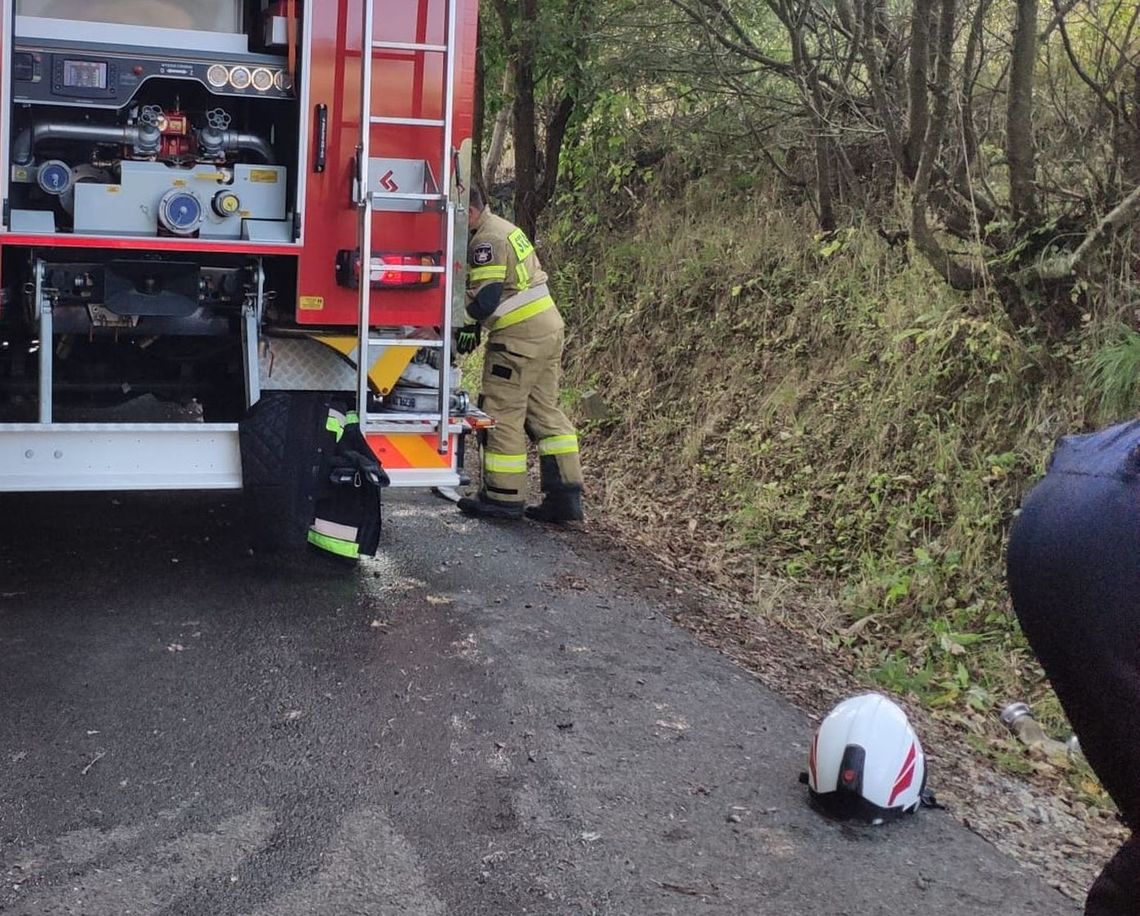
point(251, 315)
point(43, 308)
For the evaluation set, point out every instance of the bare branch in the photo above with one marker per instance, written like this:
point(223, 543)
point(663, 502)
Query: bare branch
point(1063, 266)
point(1075, 62)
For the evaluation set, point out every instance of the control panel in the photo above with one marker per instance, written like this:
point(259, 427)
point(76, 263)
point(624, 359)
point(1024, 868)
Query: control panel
point(65, 77)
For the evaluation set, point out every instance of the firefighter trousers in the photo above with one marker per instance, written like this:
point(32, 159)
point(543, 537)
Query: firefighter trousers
point(1074, 577)
point(521, 372)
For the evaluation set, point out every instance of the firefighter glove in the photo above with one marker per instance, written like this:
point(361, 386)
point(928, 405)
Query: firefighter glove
point(468, 338)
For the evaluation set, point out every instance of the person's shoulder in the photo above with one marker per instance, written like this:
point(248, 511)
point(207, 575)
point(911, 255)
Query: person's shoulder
point(498, 225)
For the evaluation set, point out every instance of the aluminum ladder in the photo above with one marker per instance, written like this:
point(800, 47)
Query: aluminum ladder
point(370, 201)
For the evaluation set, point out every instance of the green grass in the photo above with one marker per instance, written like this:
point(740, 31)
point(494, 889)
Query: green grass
point(832, 413)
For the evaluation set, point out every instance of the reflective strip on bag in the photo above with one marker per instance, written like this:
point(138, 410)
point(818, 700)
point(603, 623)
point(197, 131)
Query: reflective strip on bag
point(335, 529)
point(521, 244)
point(335, 423)
point(522, 314)
point(498, 463)
point(494, 272)
point(558, 445)
point(341, 548)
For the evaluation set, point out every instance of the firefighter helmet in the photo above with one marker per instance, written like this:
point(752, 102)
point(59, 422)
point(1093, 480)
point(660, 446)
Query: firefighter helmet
point(866, 761)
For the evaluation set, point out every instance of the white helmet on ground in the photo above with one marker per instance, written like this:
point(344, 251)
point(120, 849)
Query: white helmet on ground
point(866, 761)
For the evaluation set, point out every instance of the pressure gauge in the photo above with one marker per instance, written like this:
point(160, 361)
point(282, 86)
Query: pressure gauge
point(262, 79)
point(217, 76)
point(240, 77)
point(283, 81)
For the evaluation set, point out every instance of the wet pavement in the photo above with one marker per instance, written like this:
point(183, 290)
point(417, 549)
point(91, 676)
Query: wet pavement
point(484, 720)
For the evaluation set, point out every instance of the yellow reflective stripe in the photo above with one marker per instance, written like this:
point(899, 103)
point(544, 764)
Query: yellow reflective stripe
point(522, 314)
point(334, 545)
point(351, 417)
point(521, 244)
point(334, 426)
point(558, 445)
point(494, 272)
point(522, 275)
point(498, 463)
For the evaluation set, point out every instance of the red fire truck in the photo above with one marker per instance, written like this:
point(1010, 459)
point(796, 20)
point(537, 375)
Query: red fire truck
point(188, 187)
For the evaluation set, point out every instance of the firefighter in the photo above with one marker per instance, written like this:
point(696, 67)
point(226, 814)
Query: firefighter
point(507, 295)
point(1074, 577)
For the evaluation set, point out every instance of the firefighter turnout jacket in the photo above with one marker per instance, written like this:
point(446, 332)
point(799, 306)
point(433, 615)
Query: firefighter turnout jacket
point(507, 293)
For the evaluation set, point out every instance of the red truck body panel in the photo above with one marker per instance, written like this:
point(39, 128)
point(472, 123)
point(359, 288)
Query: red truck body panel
point(405, 84)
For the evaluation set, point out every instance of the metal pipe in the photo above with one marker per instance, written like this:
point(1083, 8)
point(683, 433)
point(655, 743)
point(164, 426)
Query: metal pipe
point(213, 141)
point(144, 137)
point(364, 215)
point(451, 41)
point(141, 136)
point(6, 20)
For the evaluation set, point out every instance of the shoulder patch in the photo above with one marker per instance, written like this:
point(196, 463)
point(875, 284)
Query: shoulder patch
point(483, 253)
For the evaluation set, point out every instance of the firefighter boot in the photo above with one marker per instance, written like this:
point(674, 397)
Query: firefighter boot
point(558, 506)
point(482, 506)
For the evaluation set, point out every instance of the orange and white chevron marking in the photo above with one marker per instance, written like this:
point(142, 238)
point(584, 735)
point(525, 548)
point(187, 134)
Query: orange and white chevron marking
point(412, 451)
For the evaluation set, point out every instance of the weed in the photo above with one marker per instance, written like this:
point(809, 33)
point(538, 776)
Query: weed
point(834, 415)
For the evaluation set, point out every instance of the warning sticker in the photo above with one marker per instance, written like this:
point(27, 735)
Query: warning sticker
point(312, 303)
point(264, 176)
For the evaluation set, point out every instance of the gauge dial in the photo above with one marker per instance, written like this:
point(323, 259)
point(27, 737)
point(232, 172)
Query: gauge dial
point(240, 77)
point(262, 79)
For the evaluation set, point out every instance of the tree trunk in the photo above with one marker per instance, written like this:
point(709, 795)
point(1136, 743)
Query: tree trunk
point(807, 73)
point(918, 114)
point(1019, 114)
point(960, 275)
point(526, 127)
point(499, 134)
point(479, 116)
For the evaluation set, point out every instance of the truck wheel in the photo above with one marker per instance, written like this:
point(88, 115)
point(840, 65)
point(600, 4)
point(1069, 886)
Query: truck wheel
point(280, 463)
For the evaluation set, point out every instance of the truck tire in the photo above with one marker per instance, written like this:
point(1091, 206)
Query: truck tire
point(280, 463)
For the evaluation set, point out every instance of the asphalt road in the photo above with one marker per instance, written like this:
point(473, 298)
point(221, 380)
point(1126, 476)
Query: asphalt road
point(483, 721)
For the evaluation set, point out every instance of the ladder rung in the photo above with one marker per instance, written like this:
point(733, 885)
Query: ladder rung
point(400, 195)
point(403, 342)
point(407, 122)
point(407, 46)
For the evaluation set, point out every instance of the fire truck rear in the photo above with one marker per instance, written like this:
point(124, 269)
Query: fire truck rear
point(231, 228)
